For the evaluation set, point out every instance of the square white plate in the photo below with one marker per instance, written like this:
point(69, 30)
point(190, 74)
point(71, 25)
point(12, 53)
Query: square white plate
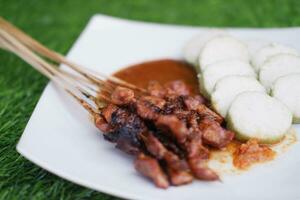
point(60, 137)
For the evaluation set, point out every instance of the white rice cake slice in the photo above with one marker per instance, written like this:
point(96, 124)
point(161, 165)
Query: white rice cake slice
point(218, 70)
point(287, 90)
point(193, 47)
point(277, 66)
point(229, 87)
point(222, 48)
point(255, 44)
point(263, 54)
point(257, 115)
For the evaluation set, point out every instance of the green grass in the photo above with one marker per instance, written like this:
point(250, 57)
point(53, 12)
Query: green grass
point(57, 23)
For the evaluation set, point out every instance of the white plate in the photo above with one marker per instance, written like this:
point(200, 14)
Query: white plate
point(60, 137)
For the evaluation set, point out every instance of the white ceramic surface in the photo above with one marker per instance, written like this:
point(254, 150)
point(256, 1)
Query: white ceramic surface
point(61, 139)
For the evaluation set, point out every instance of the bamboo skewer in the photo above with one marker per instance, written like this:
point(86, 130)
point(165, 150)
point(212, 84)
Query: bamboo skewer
point(86, 83)
point(66, 82)
point(36, 46)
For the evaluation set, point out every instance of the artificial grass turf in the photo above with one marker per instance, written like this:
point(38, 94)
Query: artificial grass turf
point(57, 23)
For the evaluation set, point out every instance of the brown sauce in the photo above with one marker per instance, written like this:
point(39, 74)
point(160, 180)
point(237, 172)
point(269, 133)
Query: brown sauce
point(159, 70)
point(169, 70)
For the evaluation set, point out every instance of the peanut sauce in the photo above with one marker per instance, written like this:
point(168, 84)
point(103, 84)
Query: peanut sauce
point(162, 71)
point(169, 70)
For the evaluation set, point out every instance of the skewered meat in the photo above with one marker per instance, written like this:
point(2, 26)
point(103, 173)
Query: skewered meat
point(121, 96)
point(155, 101)
point(146, 110)
point(156, 89)
point(168, 132)
point(177, 169)
point(154, 146)
point(168, 143)
point(126, 128)
point(177, 88)
point(150, 168)
point(174, 126)
point(192, 120)
point(201, 171)
point(174, 104)
point(207, 113)
point(197, 156)
point(192, 102)
point(101, 124)
point(108, 111)
point(215, 135)
point(173, 88)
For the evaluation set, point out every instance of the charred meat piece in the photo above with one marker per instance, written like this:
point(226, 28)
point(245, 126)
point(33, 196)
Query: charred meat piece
point(169, 143)
point(125, 144)
point(200, 169)
point(193, 120)
point(146, 110)
point(108, 111)
point(125, 139)
point(176, 88)
point(122, 96)
point(150, 168)
point(173, 105)
point(153, 145)
point(126, 129)
point(195, 148)
point(101, 123)
point(182, 115)
point(215, 135)
point(200, 99)
point(177, 169)
point(155, 101)
point(192, 102)
point(122, 117)
point(207, 113)
point(197, 156)
point(156, 89)
point(173, 126)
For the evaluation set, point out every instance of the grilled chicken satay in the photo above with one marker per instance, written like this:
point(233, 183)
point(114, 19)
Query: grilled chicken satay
point(174, 115)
